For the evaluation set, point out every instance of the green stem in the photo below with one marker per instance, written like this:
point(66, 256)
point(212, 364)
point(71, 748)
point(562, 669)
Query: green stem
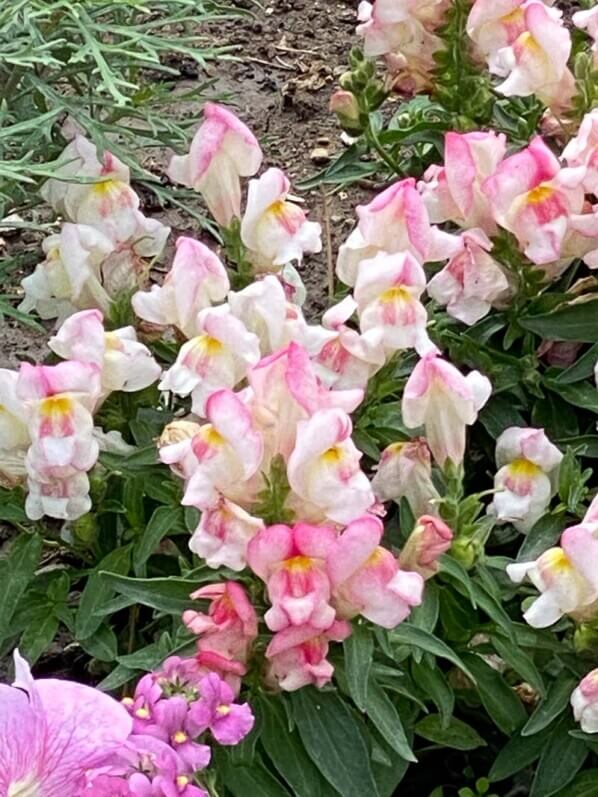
point(375, 142)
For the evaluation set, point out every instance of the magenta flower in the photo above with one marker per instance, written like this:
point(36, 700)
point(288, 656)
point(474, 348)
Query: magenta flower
point(229, 722)
point(53, 732)
point(141, 706)
point(174, 725)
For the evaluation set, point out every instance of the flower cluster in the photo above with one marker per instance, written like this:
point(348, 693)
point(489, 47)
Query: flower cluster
point(67, 738)
point(105, 246)
point(47, 434)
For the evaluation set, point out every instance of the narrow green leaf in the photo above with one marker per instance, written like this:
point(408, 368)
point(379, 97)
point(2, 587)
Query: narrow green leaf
point(161, 522)
point(577, 322)
point(518, 753)
point(334, 741)
point(383, 714)
point(555, 702)
point(16, 571)
point(38, 636)
point(519, 661)
point(359, 652)
point(582, 369)
point(434, 685)
point(286, 751)
point(458, 735)
point(542, 536)
point(584, 785)
point(102, 645)
point(426, 614)
point(499, 700)
point(406, 634)
point(169, 594)
point(561, 760)
point(98, 591)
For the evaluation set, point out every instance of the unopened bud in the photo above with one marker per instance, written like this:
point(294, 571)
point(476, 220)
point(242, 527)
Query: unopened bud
point(430, 538)
point(344, 104)
point(177, 432)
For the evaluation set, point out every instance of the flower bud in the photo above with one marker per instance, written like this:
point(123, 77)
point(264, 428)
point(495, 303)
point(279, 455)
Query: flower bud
point(405, 470)
point(344, 104)
point(177, 432)
point(430, 538)
point(584, 702)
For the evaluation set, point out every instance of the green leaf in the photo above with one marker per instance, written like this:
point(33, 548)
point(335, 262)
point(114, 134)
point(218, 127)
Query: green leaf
point(542, 536)
point(499, 700)
point(359, 652)
point(254, 780)
point(103, 645)
point(136, 460)
point(285, 750)
point(169, 594)
point(456, 570)
point(98, 591)
point(561, 760)
point(120, 675)
point(555, 702)
point(500, 413)
point(406, 634)
point(16, 571)
point(383, 714)
point(434, 685)
point(582, 395)
point(334, 741)
point(580, 370)
point(578, 322)
point(518, 753)
point(519, 661)
point(38, 636)
point(584, 785)
point(426, 614)
point(163, 520)
point(457, 735)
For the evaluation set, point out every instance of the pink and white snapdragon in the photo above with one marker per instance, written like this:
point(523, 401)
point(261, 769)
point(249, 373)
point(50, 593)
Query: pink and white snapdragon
point(588, 20)
point(495, 25)
point(14, 435)
point(52, 733)
point(197, 279)
point(527, 476)
point(454, 191)
point(124, 363)
point(324, 472)
point(219, 356)
point(438, 397)
point(366, 578)
point(405, 471)
point(471, 281)
point(534, 198)
point(387, 292)
point(223, 533)
point(584, 702)
point(275, 229)
point(582, 150)
point(348, 359)
point(222, 151)
point(396, 220)
point(58, 401)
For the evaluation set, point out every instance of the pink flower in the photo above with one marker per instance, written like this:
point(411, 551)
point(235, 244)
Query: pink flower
point(367, 579)
point(471, 281)
point(274, 229)
point(494, 24)
point(387, 292)
point(582, 149)
point(223, 533)
point(228, 451)
point(14, 437)
point(455, 191)
point(52, 732)
point(386, 24)
point(230, 627)
point(536, 61)
point(262, 308)
point(584, 702)
point(348, 359)
point(175, 447)
point(430, 538)
point(285, 389)
point(564, 590)
point(218, 357)
point(533, 198)
point(228, 722)
point(195, 281)
point(405, 470)
point(394, 221)
point(141, 706)
point(588, 21)
point(174, 724)
point(297, 656)
point(69, 279)
point(222, 151)
point(124, 362)
point(527, 477)
point(324, 472)
point(438, 397)
point(292, 562)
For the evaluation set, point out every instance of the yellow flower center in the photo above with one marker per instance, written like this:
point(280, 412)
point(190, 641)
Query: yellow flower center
point(142, 713)
point(180, 737)
point(375, 557)
point(182, 781)
point(298, 564)
point(539, 194)
point(397, 294)
point(206, 345)
point(333, 455)
point(527, 40)
point(556, 559)
point(524, 467)
point(55, 406)
point(513, 17)
point(223, 710)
